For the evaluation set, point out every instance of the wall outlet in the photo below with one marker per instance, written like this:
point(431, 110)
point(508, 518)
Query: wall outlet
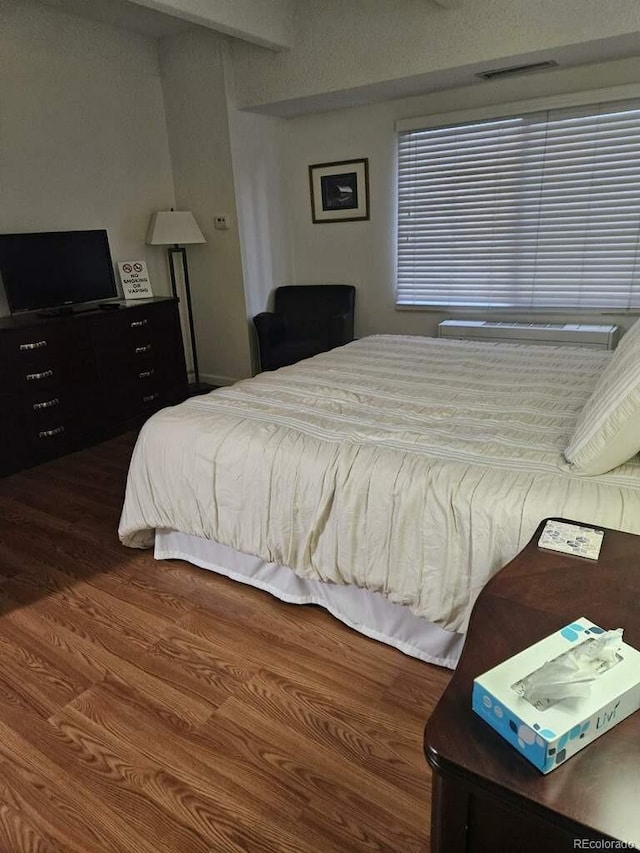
point(221, 223)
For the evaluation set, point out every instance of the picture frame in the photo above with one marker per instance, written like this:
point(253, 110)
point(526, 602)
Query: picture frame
point(339, 191)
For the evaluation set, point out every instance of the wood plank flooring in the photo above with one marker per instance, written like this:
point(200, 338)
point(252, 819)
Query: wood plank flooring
point(152, 707)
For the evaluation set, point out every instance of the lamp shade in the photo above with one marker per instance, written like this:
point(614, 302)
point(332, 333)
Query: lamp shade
point(173, 227)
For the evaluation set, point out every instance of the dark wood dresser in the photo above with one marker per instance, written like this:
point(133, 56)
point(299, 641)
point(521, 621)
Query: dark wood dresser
point(487, 797)
point(71, 381)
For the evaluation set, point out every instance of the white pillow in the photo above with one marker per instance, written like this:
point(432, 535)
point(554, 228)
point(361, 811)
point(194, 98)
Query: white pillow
point(608, 429)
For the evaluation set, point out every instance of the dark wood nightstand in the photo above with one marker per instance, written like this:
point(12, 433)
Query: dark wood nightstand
point(486, 797)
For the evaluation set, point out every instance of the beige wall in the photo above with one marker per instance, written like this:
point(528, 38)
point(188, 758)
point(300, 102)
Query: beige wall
point(101, 126)
point(264, 225)
point(362, 253)
point(83, 142)
point(196, 110)
point(360, 50)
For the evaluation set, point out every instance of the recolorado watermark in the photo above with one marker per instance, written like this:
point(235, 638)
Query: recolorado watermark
point(602, 844)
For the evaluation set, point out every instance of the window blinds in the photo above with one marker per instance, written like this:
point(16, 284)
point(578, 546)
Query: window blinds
point(534, 211)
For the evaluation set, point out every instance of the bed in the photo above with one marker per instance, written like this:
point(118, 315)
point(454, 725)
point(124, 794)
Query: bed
point(386, 480)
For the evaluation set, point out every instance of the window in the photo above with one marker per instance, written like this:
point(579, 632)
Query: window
point(534, 211)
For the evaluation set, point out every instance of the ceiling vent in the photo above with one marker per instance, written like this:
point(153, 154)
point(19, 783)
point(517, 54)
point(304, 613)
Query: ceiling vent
point(514, 70)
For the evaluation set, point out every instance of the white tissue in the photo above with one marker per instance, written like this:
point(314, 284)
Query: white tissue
point(569, 676)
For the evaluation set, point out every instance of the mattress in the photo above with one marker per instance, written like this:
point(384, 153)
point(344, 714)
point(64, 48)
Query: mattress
point(413, 467)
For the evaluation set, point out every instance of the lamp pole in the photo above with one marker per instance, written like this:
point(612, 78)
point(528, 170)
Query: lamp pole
point(180, 250)
point(173, 229)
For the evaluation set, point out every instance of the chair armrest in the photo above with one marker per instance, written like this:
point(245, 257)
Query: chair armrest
point(271, 332)
point(270, 328)
point(341, 329)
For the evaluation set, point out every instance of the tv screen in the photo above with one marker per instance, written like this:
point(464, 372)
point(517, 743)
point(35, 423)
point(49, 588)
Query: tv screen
point(56, 268)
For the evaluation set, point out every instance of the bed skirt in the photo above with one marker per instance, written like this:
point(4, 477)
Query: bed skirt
point(370, 613)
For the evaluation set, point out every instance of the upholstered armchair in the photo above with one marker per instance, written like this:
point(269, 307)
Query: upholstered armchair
point(307, 319)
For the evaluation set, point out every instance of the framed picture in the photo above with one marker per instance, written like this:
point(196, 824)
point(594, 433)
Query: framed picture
point(339, 191)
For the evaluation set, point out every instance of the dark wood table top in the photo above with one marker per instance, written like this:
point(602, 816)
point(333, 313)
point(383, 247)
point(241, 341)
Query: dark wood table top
point(533, 596)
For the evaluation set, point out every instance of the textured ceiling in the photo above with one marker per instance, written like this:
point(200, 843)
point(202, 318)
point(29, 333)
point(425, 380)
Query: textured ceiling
point(121, 13)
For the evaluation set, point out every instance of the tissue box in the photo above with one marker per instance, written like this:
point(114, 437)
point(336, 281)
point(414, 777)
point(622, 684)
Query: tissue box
point(548, 737)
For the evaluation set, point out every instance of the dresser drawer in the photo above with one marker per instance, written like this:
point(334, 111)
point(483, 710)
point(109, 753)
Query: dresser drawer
point(135, 399)
point(147, 348)
point(141, 370)
point(59, 429)
point(45, 356)
point(50, 441)
point(127, 330)
point(129, 357)
point(50, 376)
point(36, 344)
point(68, 401)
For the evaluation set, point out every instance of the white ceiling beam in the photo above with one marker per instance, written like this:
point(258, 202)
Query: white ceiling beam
point(268, 23)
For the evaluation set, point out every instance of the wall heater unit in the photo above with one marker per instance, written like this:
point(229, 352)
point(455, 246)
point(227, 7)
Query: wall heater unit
point(552, 334)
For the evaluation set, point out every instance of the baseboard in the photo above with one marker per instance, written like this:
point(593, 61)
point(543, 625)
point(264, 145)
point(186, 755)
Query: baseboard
point(213, 379)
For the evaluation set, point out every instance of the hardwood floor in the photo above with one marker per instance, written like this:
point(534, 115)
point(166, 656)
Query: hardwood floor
point(153, 707)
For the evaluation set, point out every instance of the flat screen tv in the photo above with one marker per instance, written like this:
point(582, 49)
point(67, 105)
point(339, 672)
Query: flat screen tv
point(56, 269)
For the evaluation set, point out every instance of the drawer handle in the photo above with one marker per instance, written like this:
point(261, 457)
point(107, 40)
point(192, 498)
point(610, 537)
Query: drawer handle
point(145, 374)
point(137, 324)
point(150, 397)
point(146, 348)
point(44, 375)
point(47, 433)
point(34, 345)
point(46, 405)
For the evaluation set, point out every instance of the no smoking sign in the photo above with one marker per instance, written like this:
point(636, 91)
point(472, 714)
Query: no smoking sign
point(135, 280)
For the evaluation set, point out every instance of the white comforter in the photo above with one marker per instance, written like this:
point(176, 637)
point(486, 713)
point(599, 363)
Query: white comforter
point(412, 466)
